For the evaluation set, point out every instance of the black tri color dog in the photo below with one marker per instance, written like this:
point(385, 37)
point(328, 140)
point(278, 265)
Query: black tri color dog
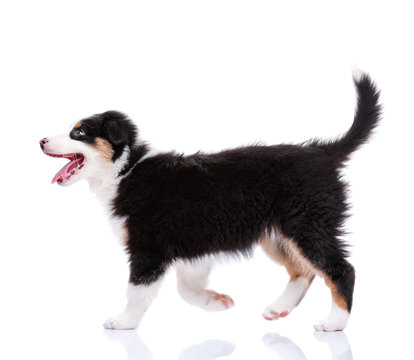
point(171, 210)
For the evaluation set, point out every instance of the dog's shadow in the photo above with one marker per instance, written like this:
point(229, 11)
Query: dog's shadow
point(136, 349)
point(288, 350)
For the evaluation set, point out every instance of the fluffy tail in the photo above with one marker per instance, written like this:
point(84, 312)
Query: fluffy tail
point(366, 118)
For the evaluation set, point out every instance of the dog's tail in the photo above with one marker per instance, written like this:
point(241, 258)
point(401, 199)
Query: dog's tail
point(366, 118)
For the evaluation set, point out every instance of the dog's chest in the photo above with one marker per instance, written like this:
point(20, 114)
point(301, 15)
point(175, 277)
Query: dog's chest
point(106, 196)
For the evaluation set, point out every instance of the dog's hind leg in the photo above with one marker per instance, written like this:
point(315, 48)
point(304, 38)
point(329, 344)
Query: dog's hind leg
point(191, 284)
point(340, 278)
point(326, 258)
point(300, 278)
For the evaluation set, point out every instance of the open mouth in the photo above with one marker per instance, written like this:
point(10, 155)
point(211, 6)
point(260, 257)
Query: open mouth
point(70, 169)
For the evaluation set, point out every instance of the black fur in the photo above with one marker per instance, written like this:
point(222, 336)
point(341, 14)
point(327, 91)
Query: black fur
point(112, 126)
point(366, 119)
point(185, 207)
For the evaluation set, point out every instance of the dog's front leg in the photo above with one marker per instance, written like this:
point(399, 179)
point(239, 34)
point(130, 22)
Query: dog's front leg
point(143, 285)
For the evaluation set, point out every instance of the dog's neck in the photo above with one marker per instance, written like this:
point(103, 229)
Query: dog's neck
point(135, 155)
point(111, 173)
point(105, 184)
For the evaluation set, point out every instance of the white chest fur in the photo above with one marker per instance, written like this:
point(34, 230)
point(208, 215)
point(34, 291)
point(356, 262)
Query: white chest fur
point(106, 194)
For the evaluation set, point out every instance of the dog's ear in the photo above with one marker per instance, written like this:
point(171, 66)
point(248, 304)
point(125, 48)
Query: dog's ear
point(114, 131)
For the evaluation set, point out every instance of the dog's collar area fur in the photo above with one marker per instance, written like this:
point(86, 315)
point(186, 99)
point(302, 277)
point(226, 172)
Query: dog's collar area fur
point(135, 155)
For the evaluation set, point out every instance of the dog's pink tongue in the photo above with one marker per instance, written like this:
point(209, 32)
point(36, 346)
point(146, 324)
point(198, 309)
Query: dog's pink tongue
point(65, 172)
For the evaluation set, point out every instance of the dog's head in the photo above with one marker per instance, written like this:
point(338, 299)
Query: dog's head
point(91, 146)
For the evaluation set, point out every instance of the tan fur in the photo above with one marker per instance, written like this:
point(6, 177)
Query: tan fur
point(339, 300)
point(285, 252)
point(281, 258)
point(104, 148)
point(124, 236)
point(278, 248)
point(78, 125)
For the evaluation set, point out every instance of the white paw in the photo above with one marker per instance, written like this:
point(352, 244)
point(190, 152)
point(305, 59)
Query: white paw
point(120, 323)
point(286, 302)
point(326, 325)
point(281, 308)
point(273, 312)
point(217, 302)
point(336, 321)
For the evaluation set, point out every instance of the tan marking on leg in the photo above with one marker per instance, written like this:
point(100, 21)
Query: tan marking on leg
point(104, 148)
point(277, 248)
point(78, 125)
point(275, 253)
point(124, 236)
point(339, 300)
point(293, 271)
point(305, 266)
point(284, 251)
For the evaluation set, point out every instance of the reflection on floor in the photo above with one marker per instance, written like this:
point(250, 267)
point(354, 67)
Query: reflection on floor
point(213, 349)
point(208, 350)
point(288, 350)
point(337, 342)
point(131, 342)
point(283, 346)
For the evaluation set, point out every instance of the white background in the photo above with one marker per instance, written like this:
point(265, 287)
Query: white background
point(199, 75)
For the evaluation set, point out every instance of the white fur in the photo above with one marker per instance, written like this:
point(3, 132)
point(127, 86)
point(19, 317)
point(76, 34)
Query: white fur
point(107, 191)
point(336, 321)
point(139, 298)
point(357, 74)
point(192, 281)
point(291, 296)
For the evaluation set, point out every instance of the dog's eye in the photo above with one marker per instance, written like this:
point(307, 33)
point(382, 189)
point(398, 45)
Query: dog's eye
point(79, 132)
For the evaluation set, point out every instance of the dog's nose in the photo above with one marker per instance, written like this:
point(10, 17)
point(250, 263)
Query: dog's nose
point(43, 142)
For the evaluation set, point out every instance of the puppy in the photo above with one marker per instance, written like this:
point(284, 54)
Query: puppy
point(184, 211)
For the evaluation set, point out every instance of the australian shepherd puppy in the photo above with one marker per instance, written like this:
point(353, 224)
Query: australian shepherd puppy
point(171, 210)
